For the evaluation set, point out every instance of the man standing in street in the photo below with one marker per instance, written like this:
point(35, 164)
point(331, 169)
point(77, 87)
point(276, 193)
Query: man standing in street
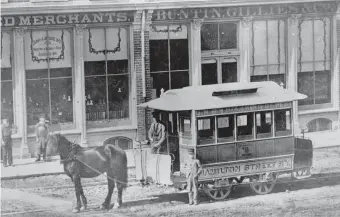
point(156, 134)
point(41, 132)
point(6, 143)
point(193, 169)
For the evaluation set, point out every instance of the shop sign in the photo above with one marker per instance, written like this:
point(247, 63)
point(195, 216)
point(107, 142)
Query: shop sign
point(236, 169)
point(63, 19)
point(262, 10)
point(48, 47)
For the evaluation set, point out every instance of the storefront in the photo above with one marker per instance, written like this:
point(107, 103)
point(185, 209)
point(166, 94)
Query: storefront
point(87, 71)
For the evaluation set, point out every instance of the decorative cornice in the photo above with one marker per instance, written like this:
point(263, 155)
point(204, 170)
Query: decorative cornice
point(197, 23)
point(246, 21)
point(20, 31)
point(80, 28)
point(296, 17)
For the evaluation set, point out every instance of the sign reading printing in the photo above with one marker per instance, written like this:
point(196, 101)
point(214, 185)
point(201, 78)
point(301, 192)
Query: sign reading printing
point(47, 47)
point(236, 169)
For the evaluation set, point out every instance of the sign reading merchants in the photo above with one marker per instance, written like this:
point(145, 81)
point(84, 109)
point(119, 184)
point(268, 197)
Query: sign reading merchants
point(62, 19)
point(235, 169)
point(243, 11)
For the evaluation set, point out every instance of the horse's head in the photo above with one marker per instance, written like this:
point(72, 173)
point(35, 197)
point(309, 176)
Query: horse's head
point(53, 144)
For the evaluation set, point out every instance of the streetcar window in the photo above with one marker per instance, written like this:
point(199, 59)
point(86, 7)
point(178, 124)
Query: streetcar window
point(283, 123)
point(225, 128)
point(206, 128)
point(185, 126)
point(245, 126)
point(264, 124)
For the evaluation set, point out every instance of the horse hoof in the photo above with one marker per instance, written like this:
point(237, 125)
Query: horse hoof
point(83, 208)
point(116, 206)
point(102, 207)
point(75, 210)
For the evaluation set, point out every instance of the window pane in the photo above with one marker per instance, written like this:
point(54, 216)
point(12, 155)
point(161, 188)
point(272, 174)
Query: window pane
point(7, 100)
point(209, 37)
point(61, 100)
point(159, 58)
point(94, 68)
point(209, 73)
point(95, 90)
point(185, 126)
point(61, 72)
point(228, 36)
point(278, 79)
point(118, 67)
point(283, 124)
point(229, 72)
point(306, 86)
point(159, 81)
point(206, 131)
point(37, 92)
point(258, 78)
point(6, 74)
point(305, 52)
point(179, 54)
point(225, 129)
point(179, 79)
point(245, 127)
point(264, 122)
point(259, 43)
point(322, 42)
point(322, 87)
point(118, 96)
point(37, 74)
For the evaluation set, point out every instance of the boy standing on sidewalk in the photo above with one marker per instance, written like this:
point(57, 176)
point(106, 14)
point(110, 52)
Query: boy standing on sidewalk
point(41, 132)
point(193, 168)
point(6, 143)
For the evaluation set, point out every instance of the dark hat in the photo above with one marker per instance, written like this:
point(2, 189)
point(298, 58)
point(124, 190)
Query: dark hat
point(155, 114)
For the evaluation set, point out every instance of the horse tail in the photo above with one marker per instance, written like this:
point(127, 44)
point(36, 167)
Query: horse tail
point(118, 164)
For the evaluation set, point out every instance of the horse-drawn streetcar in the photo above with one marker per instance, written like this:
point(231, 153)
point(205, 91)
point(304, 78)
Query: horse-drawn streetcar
point(241, 133)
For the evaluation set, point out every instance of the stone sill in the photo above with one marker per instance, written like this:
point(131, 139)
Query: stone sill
point(315, 111)
point(109, 129)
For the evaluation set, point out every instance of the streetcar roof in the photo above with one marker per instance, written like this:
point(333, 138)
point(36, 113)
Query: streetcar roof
point(222, 96)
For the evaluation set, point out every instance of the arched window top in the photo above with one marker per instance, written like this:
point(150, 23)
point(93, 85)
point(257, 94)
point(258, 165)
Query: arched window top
point(319, 124)
point(123, 142)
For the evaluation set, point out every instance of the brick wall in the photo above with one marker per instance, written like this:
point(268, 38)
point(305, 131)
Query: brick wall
point(143, 115)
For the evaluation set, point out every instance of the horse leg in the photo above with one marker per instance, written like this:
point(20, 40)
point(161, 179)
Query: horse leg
point(83, 198)
point(111, 186)
point(77, 185)
point(120, 188)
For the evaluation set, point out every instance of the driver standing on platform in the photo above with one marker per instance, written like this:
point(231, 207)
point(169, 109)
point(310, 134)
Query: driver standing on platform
point(41, 132)
point(156, 134)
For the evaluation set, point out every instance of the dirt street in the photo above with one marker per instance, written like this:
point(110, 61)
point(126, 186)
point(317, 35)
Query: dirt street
point(313, 198)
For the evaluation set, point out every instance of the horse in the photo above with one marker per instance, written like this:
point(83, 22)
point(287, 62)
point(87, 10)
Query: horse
point(82, 162)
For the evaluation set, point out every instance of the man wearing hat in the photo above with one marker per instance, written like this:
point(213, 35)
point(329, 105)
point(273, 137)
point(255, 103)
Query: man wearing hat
point(156, 133)
point(6, 142)
point(41, 132)
point(193, 169)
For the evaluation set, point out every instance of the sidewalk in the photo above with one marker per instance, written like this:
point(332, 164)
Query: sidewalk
point(28, 167)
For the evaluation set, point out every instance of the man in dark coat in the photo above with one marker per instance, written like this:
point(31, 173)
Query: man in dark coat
point(41, 132)
point(193, 170)
point(6, 143)
point(156, 134)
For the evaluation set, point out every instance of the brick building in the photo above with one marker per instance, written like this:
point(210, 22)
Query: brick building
point(86, 65)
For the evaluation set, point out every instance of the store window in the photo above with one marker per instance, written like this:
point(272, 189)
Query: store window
point(314, 60)
point(283, 122)
point(218, 36)
point(107, 75)
point(169, 57)
point(48, 64)
point(6, 77)
point(268, 62)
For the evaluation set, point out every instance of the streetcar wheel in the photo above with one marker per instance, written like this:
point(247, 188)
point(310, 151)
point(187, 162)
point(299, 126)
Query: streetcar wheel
point(264, 187)
point(218, 193)
point(302, 173)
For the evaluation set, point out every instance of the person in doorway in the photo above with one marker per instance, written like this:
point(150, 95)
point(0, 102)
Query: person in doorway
point(41, 132)
point(156, 134)
point(6, 143)
point(193, 170)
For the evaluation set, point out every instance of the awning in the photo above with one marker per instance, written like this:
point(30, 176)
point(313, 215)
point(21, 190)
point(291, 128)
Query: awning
point(201, 97)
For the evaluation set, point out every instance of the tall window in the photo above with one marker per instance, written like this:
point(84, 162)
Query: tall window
point(222, 38)
point(48, 55)
point(169, 57)
point(314, 58)
point(6, 77)
point(107, 74)
point(268, 62)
